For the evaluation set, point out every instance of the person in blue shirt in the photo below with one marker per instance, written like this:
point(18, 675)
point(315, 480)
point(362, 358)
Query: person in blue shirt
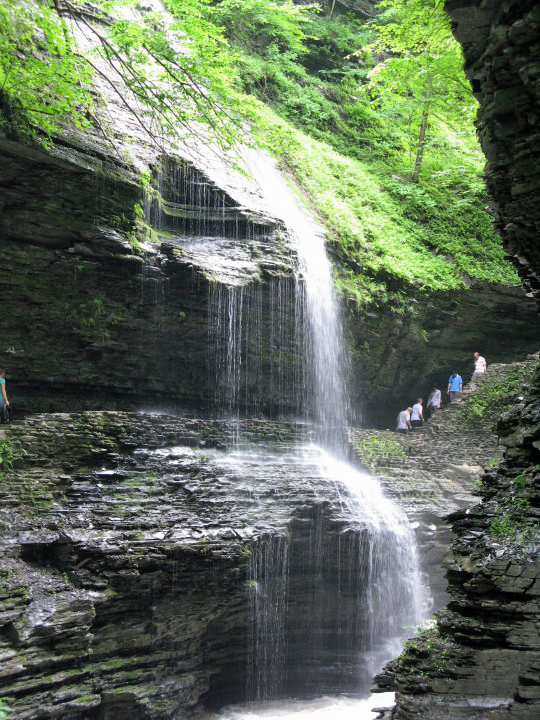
point(455, 385)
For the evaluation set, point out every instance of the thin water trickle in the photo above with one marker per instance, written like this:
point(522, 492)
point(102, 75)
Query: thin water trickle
point(268, 588)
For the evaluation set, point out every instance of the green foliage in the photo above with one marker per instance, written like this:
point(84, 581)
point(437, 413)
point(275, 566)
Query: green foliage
point(378, 449)
point(176, 73)
point(352, 156)
point(514, 521)
point(5, 710)
point(8, 455)
point(490, 400)
point(314, 91)
point(43, 80)
point(396, 240)
point(264, 27)
point(423, 78)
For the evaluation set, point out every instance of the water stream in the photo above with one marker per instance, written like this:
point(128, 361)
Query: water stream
point(328, 607)
point(356, 618)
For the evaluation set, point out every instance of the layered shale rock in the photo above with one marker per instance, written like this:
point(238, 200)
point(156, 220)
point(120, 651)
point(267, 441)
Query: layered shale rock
point(502, 61)
point(482, 656)
point(134, 547)
point(107, 308)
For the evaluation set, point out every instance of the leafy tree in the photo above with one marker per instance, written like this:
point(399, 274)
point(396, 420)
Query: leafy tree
point(176, 70)
point(42, 80)
point(265, 27)
point(423, 76)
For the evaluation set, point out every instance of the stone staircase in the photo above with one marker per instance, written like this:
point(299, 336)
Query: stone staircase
point(434, 471)
point(446, 456)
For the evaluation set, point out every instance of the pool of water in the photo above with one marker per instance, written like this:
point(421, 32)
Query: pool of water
point(322, 708)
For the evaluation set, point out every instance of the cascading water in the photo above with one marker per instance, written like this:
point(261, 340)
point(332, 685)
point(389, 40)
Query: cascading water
point(350, 601)
point(326, 361)
point(379, 592)
point(268, 573)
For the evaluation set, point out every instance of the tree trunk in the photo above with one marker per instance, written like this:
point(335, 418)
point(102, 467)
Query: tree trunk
point(422, 135)
point(332, 9)
point(420, 147)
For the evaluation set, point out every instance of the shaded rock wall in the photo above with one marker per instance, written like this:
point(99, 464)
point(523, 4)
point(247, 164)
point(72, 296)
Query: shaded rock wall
point(91, 322)
point(398, 359)
point(108, 308)
point(481, 659)
point(126, 582)
point(500, 45)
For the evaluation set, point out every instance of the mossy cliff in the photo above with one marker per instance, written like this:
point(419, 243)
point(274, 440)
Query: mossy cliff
point(118, 260)
point(482, 657)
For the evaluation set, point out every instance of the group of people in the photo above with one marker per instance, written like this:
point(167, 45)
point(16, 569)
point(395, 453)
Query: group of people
point(413, 417)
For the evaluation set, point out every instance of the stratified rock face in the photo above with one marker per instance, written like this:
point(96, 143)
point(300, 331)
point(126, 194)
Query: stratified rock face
point(482, 658)
point(502, 58)
point(194, 304)
point(146, 569)
point(90, 322)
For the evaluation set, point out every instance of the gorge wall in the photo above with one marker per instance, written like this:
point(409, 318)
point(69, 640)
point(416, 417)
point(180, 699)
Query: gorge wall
point(483, 656)
point(500, 45)
point(137, 276)
point(145, 567)
point(120, 296)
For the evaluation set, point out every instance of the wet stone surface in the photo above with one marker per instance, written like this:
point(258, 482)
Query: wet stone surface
point(126, 546)
point(482, 658)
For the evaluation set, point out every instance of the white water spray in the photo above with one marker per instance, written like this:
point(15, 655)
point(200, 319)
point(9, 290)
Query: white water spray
point(324, 353)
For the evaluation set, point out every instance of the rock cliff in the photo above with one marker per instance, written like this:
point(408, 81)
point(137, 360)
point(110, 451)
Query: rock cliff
point(482, 658)
point(500, 45)
point(105, 308)
point(134, 546)
point(144, 563)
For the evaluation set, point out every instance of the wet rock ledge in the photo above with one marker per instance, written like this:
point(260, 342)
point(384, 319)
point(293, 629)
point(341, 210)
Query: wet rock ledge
point(125, 576)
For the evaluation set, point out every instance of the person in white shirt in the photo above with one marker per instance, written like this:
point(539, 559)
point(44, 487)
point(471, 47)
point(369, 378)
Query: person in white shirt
point(434, 400)
point(480, 366)
point(417, 417)
point(404, 421)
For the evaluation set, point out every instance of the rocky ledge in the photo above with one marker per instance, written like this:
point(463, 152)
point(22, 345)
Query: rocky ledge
point(139, 552)
point(481, 658)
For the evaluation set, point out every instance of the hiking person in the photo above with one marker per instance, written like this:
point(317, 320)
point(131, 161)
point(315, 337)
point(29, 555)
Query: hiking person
point(434, 401)
point(417, 417)
point(404, 421)
point(455, 385)
point(480, 366)
point(4, 402)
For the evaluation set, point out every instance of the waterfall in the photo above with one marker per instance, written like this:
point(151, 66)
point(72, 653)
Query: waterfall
point(268, 578)
point(379, 594)
point(350, 591)
point(326, 361)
